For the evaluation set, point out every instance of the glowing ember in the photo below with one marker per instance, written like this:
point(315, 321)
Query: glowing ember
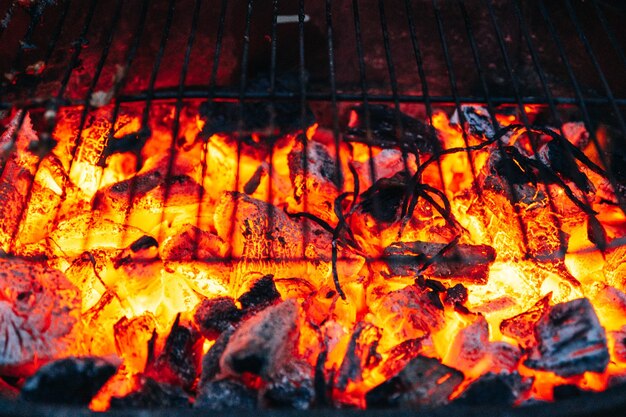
point(387, 271)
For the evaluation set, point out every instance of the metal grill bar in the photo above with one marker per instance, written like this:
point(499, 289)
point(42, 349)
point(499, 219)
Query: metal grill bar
point(577, 89)
point(178, 107)
point(212, 82)
point(145, 120)
point(619, 50)
point(51, 120)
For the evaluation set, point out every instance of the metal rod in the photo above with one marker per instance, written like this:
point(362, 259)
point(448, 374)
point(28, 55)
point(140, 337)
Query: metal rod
point(209, 97)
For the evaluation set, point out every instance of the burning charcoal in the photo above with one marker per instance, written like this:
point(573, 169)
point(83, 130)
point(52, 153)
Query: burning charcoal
point(576, 133)
point(494, 389)
point(179, 362)
point(254, 181)
point(70, 381)
point(149, 191)
point(216, 315)
point(471, 345)
point(292, 387)
point(150, 394)
point(557, 155)
point(456, 295)
point(262, 343)
point(132, 338)
point(615, 268)
point(461, 261)
point(384, 128)
point(226, 395)
point(619, 347)
point(387, 163)
point(261, 294)
point(211, 360)
point(384, 198)
point(313, 172)
point(361, 354)
point(189, 243)
point(254, 239)
point(477, 120)
point(143, 249)
point(571, 340)
point(69, 237)
point(412, 311)
point(506, 169)
point(39, 311)
point(522, 326)
point(424, 382)
point(400, 355)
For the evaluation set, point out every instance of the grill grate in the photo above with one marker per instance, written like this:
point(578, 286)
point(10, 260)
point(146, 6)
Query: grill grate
point(378, 75)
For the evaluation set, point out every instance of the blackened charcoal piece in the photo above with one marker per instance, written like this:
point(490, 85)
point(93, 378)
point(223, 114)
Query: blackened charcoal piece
point(494, 389)
point(70, 381)
point(522, 326)
point(211, 360)
point(225, 395)
point(263, 293)
point(563, 392)
point(291, 387)
point(8, 391)
point(224, 117)
point(424, 382)
point(384, 198)
point(262, 343)
point(151, 394)
point(132, 142)
point(477, 120)
point(179, 362)
point(384, 128)
point(571, 340)
point(469, 263)
point(216, 315)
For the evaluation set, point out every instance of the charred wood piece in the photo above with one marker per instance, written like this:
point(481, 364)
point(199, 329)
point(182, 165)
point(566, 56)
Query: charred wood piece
point(522, 326)
point(226, 395)
point(262, 343)
point(423, 382)
point(469, 263)
point(179, 362)
point(150, 394)
point(216, 315)
point(262, 293)
point(417, 137)
point(313, 170)
point(69, 381)
point(571, 340)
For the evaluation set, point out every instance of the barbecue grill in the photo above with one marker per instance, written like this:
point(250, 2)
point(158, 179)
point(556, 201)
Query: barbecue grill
point(541, 63)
